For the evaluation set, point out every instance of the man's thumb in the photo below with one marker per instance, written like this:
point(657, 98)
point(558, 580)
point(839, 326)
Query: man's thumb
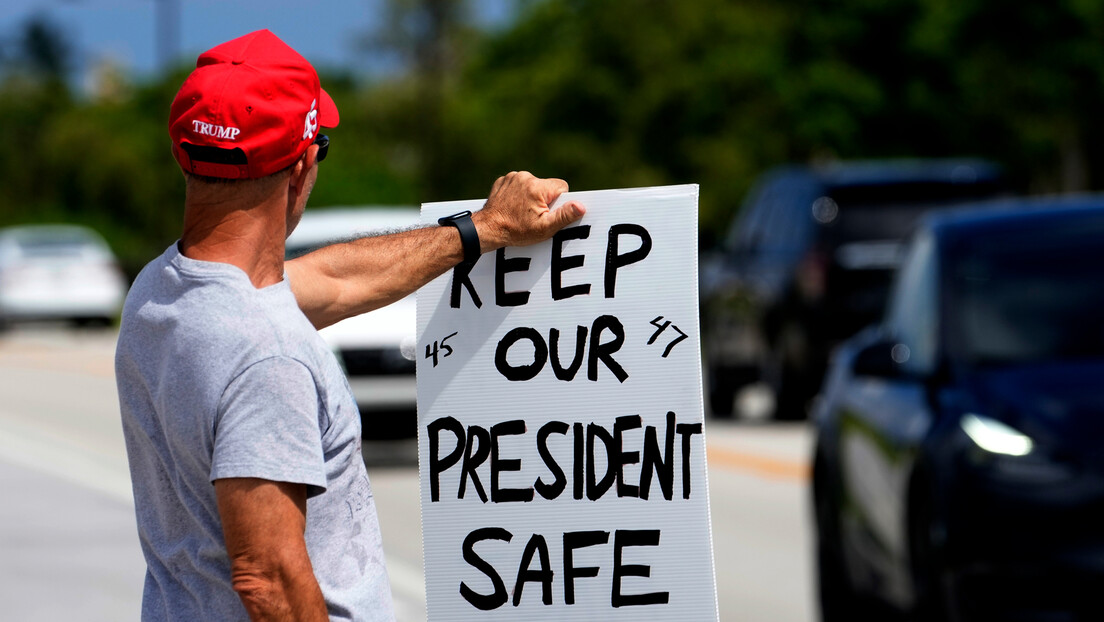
point(566, 214)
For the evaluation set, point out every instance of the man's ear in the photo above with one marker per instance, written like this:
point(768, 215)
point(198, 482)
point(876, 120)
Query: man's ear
point(300, 171)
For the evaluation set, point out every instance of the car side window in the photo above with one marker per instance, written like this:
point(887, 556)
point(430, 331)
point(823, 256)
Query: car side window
point(780, 226)
point(748, 232)
point(913, 314)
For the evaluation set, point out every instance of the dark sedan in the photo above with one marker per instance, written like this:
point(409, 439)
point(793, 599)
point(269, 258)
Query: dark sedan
point(959, 467)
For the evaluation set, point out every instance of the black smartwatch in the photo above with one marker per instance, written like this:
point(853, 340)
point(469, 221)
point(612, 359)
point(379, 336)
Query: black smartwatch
point(468, 235)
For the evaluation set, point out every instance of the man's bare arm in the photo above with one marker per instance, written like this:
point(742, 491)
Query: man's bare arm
point(351, 278)
point(263, 524)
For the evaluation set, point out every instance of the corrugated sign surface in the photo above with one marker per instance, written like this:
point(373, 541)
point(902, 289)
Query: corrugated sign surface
point(561, 441)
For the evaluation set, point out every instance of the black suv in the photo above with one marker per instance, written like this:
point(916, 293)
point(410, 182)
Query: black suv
point(807, 263)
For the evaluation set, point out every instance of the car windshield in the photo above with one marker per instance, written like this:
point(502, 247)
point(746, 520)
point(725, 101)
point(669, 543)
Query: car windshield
point(1030, 297)
point(889, 211)
point(291, 251)
point(56, 243)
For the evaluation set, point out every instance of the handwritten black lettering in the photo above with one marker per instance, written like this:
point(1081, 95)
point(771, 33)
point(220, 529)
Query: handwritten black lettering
point(577, 472)
point(475, 454)
point(503, 265)
point(517, 373)
point(440, 347)
point(616, 260)
point(561, 263)
point(664, 467)
point(604, 351)
point(595, 489)
point(553, 490)
point(622, 539)
point(497, 598)
point(536, 548)
point(597, 351)
point(662, 327)
point(577, 540)
point(686, 430)
point(599, 457)
point(461, 277)
point(620, 425)
point(567, 373)
point(543, 576)
point(498, 465)
point(438, 464)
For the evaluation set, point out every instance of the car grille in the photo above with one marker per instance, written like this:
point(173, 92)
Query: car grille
point(376, 362)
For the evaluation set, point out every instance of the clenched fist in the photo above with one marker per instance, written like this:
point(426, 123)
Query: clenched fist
point(518, 212)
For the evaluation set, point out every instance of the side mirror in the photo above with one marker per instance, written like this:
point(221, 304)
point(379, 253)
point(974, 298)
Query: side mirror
point(881, 359)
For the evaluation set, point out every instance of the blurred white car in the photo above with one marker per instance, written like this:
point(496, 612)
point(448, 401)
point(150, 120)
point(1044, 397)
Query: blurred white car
point(63, 272)
point(376, 349)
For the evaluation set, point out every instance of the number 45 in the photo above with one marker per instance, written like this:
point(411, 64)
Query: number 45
point(439, 347)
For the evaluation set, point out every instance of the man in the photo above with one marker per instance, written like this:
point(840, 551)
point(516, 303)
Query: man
point(251, 496)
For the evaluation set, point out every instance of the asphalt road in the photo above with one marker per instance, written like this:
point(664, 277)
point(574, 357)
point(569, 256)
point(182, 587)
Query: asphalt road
point(68, 547)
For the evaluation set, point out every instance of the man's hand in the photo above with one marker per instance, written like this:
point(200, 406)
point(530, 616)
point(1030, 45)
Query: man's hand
point(518, 211)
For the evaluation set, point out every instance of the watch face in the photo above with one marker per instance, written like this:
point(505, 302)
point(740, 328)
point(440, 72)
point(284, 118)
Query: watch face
point(454, 217)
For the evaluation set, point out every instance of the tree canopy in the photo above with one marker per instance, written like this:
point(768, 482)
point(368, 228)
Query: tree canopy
point(604, 94)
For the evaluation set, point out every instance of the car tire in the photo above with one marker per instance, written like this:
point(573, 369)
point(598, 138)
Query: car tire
point(790, 389)
point(721, 393)
point(787, 373)
point(791, 401)
point(926, 557)
point(92, 322)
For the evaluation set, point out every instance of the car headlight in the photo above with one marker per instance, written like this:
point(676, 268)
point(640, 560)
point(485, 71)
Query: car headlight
point(996, 437)
point(1011, 455)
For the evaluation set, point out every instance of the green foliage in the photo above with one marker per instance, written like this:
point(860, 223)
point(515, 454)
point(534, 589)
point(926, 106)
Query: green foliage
point(610, 94)
point(606, 94)
point(106, 162)
point(101, 163)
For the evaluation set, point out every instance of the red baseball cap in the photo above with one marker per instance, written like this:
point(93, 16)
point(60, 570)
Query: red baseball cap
point(251, 108)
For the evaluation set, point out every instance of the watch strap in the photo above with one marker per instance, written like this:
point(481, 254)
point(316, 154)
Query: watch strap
point(469, 237)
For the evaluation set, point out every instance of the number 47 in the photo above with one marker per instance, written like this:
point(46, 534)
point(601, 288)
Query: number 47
point(439, 347)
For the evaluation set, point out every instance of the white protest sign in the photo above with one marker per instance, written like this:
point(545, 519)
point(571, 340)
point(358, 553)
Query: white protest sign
point(561, 442)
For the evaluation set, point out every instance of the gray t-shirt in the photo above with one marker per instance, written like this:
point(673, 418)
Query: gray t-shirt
point(220, 379)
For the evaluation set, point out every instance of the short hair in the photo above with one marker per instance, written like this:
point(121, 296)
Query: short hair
point(232, 181)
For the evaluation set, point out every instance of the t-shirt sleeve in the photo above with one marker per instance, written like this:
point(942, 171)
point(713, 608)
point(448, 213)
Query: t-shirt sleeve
point(268, 426)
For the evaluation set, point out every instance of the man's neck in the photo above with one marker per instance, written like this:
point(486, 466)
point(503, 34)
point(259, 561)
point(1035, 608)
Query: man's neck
point(249, 237)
